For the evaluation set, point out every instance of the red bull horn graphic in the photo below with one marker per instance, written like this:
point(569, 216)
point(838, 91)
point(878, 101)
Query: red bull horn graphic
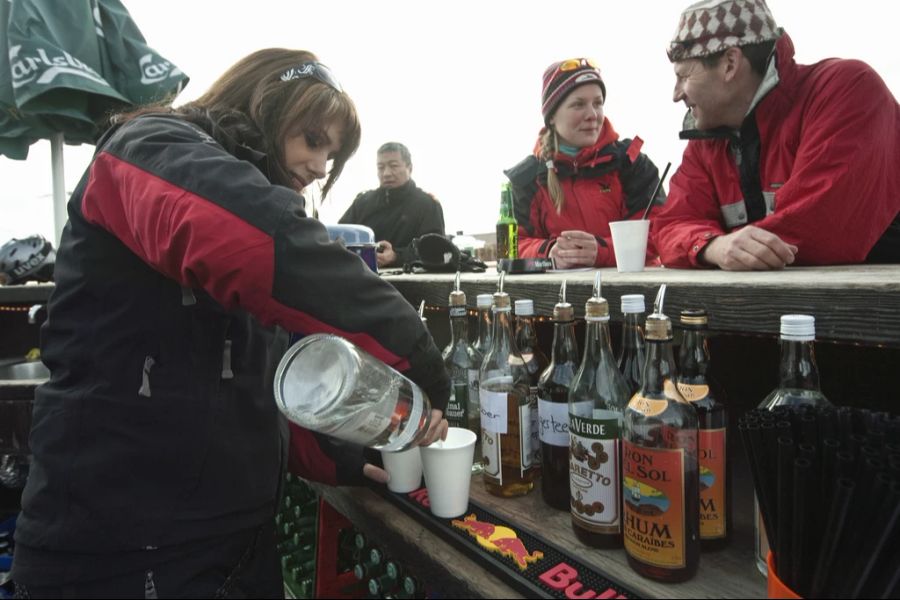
point(499, 539)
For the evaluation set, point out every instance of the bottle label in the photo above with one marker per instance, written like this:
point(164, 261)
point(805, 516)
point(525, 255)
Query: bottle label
point(457, 311)
point(712, 484)
point(458, 403)
point(648, 407)
point(594, 476)
point(651, 407)
point(529, 444)
point(553, 419)
point(494, 413)
point(654, 505)
point(693, 392)
point(534, 429)
point(490, 455)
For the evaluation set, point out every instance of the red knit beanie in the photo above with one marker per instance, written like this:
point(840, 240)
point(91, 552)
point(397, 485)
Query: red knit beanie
point(562, 77)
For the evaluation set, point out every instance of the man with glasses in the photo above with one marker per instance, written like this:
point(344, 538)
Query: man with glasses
point(398, 211)
point(786, 163)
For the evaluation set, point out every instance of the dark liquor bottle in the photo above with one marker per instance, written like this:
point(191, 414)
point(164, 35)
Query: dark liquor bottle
point(506, 417)
point(708, 398)
point(462, 364)
point(596, 402)
point(661, 493)
point(631, 354)
point(553, 405)
point(507, 227)
point(535, 363)
point(798, 385)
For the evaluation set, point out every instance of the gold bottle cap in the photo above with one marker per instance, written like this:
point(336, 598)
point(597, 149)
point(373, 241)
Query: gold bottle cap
point(563, 311)
point(694, 316)
point(457, 298)
point(500, 300)
point(658, 327)
point(596, 308)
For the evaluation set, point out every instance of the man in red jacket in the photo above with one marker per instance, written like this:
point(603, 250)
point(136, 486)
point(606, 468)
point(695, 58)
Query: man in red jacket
point(786, 163)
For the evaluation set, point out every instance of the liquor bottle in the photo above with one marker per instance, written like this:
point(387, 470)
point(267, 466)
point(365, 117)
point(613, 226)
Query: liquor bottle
point(535, 363)
point(798, 373)
point(553, 405)
point(631, 354)
point(597, 400)
point(661, 493)
point(483, 343)
point(327, 384)
point(507, 227)
point(505, 410)
point(462, 364)
point(798, 385)
point(707, 396)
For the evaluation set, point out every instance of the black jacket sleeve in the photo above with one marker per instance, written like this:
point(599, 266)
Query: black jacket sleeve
point(203, 218)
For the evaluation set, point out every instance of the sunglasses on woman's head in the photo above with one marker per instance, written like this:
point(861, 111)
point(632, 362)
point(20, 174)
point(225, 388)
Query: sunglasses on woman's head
point(316, 70)
point(575, 63)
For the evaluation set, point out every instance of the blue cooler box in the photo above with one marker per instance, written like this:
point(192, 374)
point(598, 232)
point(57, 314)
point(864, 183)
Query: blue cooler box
point(357, 238)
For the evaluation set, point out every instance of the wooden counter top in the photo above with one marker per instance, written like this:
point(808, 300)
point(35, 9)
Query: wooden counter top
point(858, 303)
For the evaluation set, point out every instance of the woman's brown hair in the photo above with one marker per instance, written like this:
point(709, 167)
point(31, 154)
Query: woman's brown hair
point(251, 105)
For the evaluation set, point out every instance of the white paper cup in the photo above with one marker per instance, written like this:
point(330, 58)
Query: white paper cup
point(630, 244)
point(448, 472)
point(405, 469)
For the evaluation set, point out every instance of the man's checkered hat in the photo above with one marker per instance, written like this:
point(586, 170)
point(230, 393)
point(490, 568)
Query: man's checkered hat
point(711, 26)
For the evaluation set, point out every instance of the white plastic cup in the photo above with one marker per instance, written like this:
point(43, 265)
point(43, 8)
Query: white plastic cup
point(405, 469)
point(448, 472)
point(630, 244)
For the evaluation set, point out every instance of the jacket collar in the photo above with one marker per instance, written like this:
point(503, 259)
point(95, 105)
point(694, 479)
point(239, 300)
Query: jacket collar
point(589, 155)
point(399, 193)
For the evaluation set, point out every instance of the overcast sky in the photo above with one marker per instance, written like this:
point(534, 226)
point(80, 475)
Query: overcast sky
point(457, 82)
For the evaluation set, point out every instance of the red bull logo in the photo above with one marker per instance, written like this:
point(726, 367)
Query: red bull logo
point(499, 539)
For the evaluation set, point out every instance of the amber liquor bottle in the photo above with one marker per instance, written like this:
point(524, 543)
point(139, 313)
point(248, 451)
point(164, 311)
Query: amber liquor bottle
point(661, 494)
point(697, 387)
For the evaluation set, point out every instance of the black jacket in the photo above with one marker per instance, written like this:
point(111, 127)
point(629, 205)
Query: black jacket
point(398, 216)
point(178, 273)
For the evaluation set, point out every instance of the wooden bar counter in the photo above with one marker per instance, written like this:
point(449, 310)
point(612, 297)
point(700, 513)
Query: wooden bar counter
point(859, 303)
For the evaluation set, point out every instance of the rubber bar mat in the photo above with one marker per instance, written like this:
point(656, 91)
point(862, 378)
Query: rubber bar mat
point(522, 559)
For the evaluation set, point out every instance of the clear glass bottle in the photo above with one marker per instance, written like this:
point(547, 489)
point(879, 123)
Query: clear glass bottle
point(553, 405)
point(507, 226)
point(535, 363)
point(798, 385)
point(485, 329)
point(463, 363)
point(660, 488)
point(632, 352)
point(327, 384)
point(697, 387)
point(506, 417)
point(597, 399)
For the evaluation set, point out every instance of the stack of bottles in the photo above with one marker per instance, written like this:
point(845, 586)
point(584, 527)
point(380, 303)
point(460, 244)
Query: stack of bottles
point(828, 486)
point(632, 447)
point(381, 576)
point(296, 527)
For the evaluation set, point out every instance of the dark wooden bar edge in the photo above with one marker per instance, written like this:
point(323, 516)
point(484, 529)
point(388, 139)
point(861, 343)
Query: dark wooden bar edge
point(730, 573)
point(855, 304)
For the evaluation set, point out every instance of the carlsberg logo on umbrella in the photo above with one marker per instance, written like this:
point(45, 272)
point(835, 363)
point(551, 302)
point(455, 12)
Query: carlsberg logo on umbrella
point(44, 68)
point(154, 72)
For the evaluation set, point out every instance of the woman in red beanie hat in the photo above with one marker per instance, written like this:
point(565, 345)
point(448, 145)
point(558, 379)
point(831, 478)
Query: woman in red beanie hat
point(581, 175)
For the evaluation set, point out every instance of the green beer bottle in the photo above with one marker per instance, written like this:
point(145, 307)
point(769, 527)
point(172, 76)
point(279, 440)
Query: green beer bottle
point(507, 227)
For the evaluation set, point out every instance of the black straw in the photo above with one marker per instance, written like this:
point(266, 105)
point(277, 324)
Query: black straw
point(655, 192)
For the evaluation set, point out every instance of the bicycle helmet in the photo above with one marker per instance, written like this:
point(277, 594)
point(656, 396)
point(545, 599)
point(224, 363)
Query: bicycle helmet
point(29, 259)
